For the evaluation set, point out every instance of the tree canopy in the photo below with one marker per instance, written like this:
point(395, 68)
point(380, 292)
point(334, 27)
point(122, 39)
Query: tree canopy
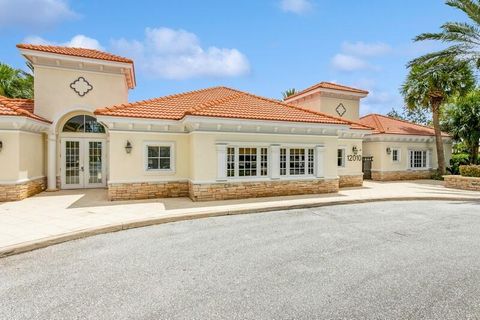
point(463, 37)
point(462, 119)
point(15, 83)
point(289, 92)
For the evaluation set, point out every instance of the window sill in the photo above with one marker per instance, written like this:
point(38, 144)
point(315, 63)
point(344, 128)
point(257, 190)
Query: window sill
point(160, 171)
point(253, 179)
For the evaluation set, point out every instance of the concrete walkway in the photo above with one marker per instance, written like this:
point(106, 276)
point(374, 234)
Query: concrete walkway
point(55, 217)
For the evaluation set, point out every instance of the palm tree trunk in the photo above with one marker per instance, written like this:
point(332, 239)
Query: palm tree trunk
point(474, 153)
point(435, 103)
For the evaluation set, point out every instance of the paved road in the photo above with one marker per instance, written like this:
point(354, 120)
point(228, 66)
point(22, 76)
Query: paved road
point(392, 260)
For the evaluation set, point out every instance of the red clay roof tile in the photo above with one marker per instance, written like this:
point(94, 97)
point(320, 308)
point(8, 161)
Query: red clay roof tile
point(387, 125)
point(18, 107)
point(221, 102)
point(78, 52)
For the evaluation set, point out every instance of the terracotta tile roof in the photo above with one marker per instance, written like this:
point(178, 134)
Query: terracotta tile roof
point(77, 52)
point(328, 85)
point(18, 107)
point(387, 125)
point(221, 102)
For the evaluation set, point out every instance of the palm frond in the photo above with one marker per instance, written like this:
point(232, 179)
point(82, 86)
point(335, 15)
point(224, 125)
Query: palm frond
point(471, 8)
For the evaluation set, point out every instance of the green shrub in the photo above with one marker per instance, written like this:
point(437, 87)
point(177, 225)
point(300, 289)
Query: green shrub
point(436, 176)
point(470, 171)
point(456, 161)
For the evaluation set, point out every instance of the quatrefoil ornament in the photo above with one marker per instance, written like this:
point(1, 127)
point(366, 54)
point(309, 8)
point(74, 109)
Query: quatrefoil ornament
point(81, 86)
point(341, 110)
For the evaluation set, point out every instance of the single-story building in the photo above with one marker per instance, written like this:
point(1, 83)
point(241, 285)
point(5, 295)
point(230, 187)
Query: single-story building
point(402, 150)
point(80, 131)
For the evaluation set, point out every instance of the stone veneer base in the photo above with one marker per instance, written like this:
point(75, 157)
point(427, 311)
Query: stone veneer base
point(243, 190)
point(147, 190)
point(401, 175)
point(464, 183)
point(351, 181)
point(14, 192)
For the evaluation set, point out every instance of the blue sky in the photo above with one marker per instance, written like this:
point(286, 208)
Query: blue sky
point(261, 46)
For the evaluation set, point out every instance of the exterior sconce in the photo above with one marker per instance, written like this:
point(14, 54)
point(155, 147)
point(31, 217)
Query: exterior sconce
point(1, 145)
point(355, 150)
point(389, 150)
point(128, 147)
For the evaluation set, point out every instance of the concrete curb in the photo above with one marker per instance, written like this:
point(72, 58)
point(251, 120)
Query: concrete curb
point(145, 222)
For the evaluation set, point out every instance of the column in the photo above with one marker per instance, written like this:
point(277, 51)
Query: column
point(275, 161)
point(52, 162)
point(320, 161)
point(221, 161)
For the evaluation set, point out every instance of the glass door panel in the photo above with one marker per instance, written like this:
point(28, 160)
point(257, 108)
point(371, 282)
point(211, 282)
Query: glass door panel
point(95, 162)
point(73, 164)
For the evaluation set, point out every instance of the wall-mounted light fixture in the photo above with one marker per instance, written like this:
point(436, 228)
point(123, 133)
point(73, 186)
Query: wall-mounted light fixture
point(1, 145)
point(355, 150)
point(389, 150)
point(128, 147)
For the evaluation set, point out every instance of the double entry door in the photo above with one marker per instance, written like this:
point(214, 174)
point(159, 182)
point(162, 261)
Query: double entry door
point(83, 163)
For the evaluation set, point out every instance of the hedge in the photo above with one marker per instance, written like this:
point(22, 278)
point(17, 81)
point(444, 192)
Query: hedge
point(470, 171)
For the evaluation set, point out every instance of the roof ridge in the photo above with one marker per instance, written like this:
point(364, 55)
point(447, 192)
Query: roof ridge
point(132, 104)
point(23, 99)
point(302, 109)
point(321, 83)
point(212, 103)
point(402, 120)
point(378, 123)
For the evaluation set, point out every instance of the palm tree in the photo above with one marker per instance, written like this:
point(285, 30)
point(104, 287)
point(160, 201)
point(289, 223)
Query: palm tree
point(430, 85)
point(464, 37)
point(289, 92)
point(15, 83)
point(463, 120)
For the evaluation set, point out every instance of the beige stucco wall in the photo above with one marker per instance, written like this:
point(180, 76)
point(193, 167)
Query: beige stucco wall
point(22, 156)
point(383, 162)
point(204, 167)
point(354, 165)
point(329, 104)
point(54, 97)
point(196, 154)
point(32, 148)
point(9, 156)
point(125, 167)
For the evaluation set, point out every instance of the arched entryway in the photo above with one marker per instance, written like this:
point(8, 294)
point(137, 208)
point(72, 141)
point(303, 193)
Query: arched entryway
point(83, 144)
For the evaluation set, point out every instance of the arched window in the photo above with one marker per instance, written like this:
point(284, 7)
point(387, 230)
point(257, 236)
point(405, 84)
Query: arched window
point(83, 123)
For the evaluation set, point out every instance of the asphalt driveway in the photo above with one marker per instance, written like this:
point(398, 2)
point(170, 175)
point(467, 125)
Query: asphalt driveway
point(389, 260)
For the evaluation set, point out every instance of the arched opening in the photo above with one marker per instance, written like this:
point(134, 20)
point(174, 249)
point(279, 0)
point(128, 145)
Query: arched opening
point(83, 123)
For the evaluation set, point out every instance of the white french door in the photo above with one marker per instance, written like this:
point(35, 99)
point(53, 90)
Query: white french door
point(83, 163)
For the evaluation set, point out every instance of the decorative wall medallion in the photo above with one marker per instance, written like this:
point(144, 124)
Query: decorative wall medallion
point(341, 110)
point(81, 86)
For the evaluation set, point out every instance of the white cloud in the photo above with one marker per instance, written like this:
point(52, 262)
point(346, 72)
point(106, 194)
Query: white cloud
point(78, 41)
point(34, 13)
point(349, 63)
point(360, 48)
point(296, 6)
point(177, 54)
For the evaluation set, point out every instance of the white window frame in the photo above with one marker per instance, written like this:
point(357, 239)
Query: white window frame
point(237, 162)
point(399, 157)
point(344, 157)
point(426, 160)
point(306, 174)
point(171, 145)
